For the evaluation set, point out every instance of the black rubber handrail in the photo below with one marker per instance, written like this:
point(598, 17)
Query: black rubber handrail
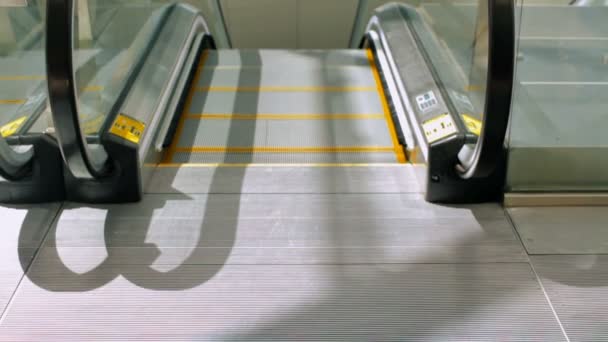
point(82, 161)
point(499, 89)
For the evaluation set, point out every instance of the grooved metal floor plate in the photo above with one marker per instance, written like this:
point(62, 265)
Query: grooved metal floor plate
point(578, 288)
point(306, 59)
point(285, 229)
point(355, 267)
point(474, 302)
point(579, 230)
point(22, 230)
point(288, 179)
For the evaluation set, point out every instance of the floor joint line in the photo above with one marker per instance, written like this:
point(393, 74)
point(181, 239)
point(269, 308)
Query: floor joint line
point(33, 259)
point(536, 275)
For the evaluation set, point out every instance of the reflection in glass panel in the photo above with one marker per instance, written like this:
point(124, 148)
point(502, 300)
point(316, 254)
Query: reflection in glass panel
point(22, 67)
point(558, 141)
point(461, 33)
point(455, 37)
point(111, 37)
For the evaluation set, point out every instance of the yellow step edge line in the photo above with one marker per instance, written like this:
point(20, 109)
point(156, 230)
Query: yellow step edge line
point(285, 89)
point(23, 78)
point(473, 88)
point(12, 102)
point(258, 67)
point(266, 165)
point(284, 116)
point(271, 149)
point(182, 120)
point(387, 113)
point(93, 88)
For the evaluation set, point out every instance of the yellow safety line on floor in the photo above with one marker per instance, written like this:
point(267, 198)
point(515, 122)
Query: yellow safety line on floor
point(265, 165)
point(23, 78)
point(285, 89)
point(182, 120)
point(285, 116)
point(211, 68)
point(387, 112)
point(289, 149)
point(12, 102)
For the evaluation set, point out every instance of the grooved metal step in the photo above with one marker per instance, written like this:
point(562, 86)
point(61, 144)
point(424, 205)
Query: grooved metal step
point(577, 285)
point(278, 58)
point(286, 133)
point(284, 158)
point(280, 106)
point(457, 302)
point(226, 102)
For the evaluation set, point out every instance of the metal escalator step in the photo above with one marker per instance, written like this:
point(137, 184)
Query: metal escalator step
point(360, 76)
point(449, 302)
point(286, 102)
point(23, 231)
point(283, 158)
point(273, 58)
point(285, 133)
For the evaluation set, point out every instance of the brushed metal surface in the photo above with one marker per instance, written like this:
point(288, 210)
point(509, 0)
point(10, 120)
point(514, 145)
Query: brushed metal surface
point(577, 285)
point(21, 233)
point(193, 158)
point(442, 302)
point(287, 179)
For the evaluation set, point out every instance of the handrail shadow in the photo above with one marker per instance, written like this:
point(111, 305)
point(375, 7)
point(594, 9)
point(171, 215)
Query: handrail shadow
point(143, 274)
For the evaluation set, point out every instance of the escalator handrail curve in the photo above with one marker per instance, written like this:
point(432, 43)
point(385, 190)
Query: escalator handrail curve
point(499, 88)
point(81, 160)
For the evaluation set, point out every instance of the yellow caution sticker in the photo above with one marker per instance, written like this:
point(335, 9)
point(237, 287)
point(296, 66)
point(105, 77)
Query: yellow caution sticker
point(12, 127)
point(438, 128)
point(128, 128)
point(473, 125)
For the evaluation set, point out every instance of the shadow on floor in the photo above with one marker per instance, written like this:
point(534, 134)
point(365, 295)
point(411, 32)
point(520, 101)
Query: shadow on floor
point(145, 275)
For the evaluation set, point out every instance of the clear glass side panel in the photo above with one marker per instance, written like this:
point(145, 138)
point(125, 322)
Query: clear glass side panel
point(455, 39)
point(110, 39)
point(558, 138)
point(455, 36)
point(23, 86)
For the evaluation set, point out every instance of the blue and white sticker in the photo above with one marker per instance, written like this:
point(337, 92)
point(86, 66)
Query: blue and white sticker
point(427, 101)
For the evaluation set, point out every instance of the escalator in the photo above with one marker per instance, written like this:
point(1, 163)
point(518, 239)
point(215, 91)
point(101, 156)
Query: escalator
point(396, 99)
